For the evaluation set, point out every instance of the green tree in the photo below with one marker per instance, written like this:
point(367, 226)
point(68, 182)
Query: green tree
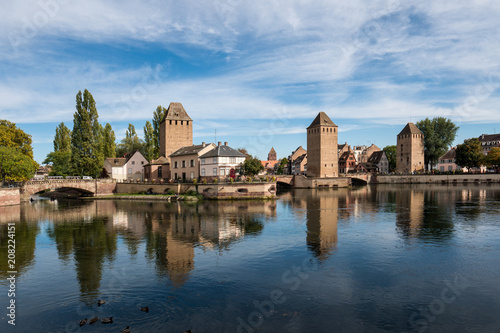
point(493, 158)
point(158, 116)
point(391, 153)
point(469, 154)
point(281, 167)
point(61, 163)
point(149, 144)
point(109, 145)
point(62, 139)
point(16, 166)
point(252, 166)
point(86, 141)
point(130, 143)
point(439, 134)
point(12, 136)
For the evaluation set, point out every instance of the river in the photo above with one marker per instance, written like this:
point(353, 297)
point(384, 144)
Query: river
point(371, 259)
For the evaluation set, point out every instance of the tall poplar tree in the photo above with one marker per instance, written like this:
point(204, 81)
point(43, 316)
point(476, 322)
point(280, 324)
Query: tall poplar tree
point(60, 158)
point(158, 116)
point(148, 141)
point(62, 139)
point(109, 138)
point(86, 145)
point(130, 143)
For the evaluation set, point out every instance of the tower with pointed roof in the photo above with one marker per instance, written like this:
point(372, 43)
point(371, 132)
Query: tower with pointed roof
point(322, 142)
point(410, 150)
point(176, 130)
point(272, 156)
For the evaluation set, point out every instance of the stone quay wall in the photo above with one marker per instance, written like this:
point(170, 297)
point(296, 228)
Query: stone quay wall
point(9, 196)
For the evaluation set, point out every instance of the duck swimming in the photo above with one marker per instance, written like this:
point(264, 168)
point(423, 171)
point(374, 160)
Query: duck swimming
point(101, 302)
point(107, 320)
point(144, 308)
point(93, 320)
point(83, 322)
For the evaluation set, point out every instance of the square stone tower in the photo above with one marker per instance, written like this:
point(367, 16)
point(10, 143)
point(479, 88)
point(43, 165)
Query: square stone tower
point(176, 130)
point(410, 150)
point(322, 142)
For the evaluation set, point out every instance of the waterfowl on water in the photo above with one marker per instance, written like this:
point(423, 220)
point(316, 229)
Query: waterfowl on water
point(188, 331)
point(144, 308)
point(126, 330)
point(83, 322)
point(101, 302)
point(93, 320)
point(107, 320)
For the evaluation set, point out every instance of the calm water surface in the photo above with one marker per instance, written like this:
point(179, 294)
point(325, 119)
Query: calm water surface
point(373, 259)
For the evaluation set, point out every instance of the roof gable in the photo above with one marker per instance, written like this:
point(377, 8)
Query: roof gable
point(322, 120)
point(410, 128)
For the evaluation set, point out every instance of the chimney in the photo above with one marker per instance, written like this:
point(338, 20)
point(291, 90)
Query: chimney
point(219, 143)
point(203, 144)
point(225, 143)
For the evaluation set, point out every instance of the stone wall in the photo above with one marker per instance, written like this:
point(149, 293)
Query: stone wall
point(308, 182)
point(10, 196)
point(153, 188)
point(441, 179)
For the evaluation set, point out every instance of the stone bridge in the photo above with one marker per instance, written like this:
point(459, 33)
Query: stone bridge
point(93, 187)
point(305, 182)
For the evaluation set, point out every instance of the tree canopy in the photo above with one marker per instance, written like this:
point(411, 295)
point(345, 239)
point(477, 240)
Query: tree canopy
point(391, 153)
point(281, 166)
point(16, 166)
point(439, 134)
point(86, 141)
point(62, 139)
point(469, 154)
point(149, 144)
point(14, 137)
point(493, 158)
point(16, 153)
point(252, 166)
point(130, 143)
point(109, 145)
point(158, 116)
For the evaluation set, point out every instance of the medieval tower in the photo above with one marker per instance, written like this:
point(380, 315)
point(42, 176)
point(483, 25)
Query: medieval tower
point(272, 156)
point(410, 150)
point(322, 155)
point(176, 130)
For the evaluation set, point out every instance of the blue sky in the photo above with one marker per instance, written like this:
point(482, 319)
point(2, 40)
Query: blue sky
point(257, 72)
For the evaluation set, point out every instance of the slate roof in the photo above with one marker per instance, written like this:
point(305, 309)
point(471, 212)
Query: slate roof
point(450, 154)
point(489, 137)
point(160, 161)
point(376, 156)
point(116, 161)
point(176, 111)
point(223, 151)
point(410, 128)
point(190, 150)
point(322, 120)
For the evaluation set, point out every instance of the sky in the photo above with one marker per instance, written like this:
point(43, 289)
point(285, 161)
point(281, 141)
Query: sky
point(253, 73)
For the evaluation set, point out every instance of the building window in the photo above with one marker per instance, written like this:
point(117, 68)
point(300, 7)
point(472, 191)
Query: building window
point(191, 164)
point(175, 177)
point(203, 172)
point(215, 160)
point(133, 162)
point(233, 160)
point(175, 165)
point(215, 171)
point(222, 172)
point(130, 170)
point(170, 122)
point(142, 162)
point(202, 161)
point(182, 122)
point(159, 172)
point(192, 175)
point(176, 122)
point(187, 122)
point(183, 164)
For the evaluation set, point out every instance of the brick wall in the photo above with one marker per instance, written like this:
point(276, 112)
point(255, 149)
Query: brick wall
point(9, 197)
